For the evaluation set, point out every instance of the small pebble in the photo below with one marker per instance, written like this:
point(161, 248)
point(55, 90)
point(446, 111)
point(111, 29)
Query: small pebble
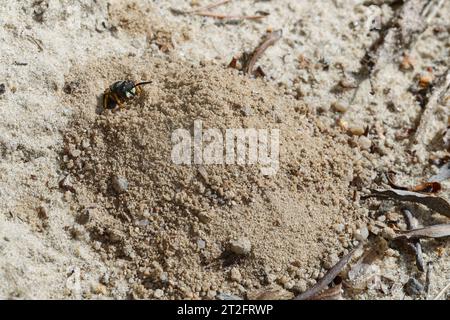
point(75, 153)
point(283, 280)
point(247, 111)
point(300, 286)
point(388, 233)
point(392, 216)
point(241, 246)
point(85, 144)
point(205, 217)
point(99, 289)
point(2, 88)
point(164, 276)
point(120, 184)
point(339, 227)
point(201, 244)
point(340, 106)
point(330, 261)
point(235, 275)
point(158, 293)
point(364, 232)
point(356, 130)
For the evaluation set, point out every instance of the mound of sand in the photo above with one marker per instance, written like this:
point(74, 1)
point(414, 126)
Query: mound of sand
point(190, 231)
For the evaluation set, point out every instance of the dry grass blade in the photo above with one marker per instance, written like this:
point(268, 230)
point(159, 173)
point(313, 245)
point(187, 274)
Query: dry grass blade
point(434, 203)
point(226, 17)
point(436, 231)
point(270, 40)
point(323, 283)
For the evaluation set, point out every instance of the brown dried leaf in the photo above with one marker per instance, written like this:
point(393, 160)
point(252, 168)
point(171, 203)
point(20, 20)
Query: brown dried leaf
point(426, 187)
point(436, 231)
point(433, 202)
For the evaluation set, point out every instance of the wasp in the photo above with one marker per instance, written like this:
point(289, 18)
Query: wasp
point(120, 92)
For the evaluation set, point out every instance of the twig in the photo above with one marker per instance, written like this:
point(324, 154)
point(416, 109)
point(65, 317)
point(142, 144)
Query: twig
point(226, 17)
point(271, 39)
point(415, 244)
point(438, 204)
point(38, 43)
point(329, 276)
point(440, 294)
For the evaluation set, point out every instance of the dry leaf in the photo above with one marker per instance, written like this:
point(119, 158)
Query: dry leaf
point(433, 202)
point(426, 187)
point(436, 231)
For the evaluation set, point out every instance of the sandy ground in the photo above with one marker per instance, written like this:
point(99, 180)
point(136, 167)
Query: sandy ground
point(385, 102)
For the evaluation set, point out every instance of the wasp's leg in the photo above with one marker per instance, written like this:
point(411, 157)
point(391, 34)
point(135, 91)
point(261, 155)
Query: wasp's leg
point(106, 97)
point(119, 102)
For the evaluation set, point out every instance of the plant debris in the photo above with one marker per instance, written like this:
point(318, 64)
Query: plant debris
point(436, 231)
point(426, 187)
point(228, 17)
point(247, 61)
point(433, 202)
point(322, 284)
